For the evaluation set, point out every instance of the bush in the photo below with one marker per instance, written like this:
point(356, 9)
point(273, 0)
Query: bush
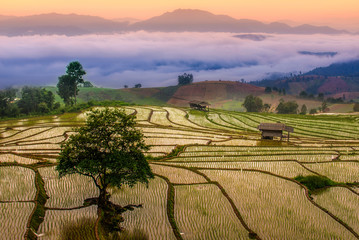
point(314, 182)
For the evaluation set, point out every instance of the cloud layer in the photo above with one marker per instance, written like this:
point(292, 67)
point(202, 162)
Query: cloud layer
point(156, 59)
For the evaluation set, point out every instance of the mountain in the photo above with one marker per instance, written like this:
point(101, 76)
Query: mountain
point(62, 24)
point(202, 21)
point(181, 20)
point(338, 69)
point(336, 79)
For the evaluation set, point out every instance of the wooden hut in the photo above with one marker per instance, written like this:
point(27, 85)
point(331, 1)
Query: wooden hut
point(271, 130)
point(199, 105)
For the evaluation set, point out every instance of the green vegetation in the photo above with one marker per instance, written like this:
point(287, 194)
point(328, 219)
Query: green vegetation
point(7, 109)
point(290, 107)
point(68, 83)
point(303, 110)
point(253, 103)
point(314, 182)
point(36, 100)
point(184, 79)
point(33, 101)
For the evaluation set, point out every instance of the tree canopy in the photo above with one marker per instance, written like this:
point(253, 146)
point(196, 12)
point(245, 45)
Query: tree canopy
point(7, 109)
point(109, 150)
point(184, 79)
point(36, 100)
point(290, 107)
point(253, 103)
point(68, 83)
point(303, 110)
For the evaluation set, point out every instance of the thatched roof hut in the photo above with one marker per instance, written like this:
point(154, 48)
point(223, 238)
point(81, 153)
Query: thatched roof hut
point(271, 130)
point(199, 105)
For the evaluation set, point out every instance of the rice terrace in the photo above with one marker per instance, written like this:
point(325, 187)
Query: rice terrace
point(215, 178)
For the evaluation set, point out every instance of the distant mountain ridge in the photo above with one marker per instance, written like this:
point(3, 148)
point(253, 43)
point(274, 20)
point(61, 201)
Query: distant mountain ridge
point(336, 79)
point(202, 21)
point(61, 24)
point(179, 20)
point(346, 69)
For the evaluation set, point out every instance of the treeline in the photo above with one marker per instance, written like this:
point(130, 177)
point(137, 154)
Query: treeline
point(255, 104)
point(32, 100)
point(39, 101)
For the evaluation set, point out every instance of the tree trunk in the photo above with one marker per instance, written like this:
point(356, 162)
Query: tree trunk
point(103, 198)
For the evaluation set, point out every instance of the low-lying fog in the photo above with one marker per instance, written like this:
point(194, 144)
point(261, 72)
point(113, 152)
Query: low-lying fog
point(156, 59)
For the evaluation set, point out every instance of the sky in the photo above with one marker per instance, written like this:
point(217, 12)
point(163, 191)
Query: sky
point(264, 10)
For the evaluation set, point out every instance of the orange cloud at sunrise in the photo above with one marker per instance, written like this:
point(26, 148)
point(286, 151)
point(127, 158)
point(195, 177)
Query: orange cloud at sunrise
point(265, 10)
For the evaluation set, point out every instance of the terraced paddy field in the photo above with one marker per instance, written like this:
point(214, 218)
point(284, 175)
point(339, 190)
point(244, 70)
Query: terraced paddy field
point(215, 178)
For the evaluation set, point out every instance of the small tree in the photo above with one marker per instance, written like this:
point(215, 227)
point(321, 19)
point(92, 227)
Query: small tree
point(185, 79)
point(109, 150)
point(303, 110)
point(253, 103)
point(138, 85)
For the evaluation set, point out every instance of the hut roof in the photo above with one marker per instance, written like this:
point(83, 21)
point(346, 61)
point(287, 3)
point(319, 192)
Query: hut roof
point(275, 127)
point(202, 103)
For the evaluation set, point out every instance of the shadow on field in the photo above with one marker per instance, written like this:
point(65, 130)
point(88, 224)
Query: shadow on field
point(82, 229)
point(135, 234)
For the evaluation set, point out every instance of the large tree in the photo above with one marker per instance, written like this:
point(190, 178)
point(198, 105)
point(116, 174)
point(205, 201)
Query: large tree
point(66, 89)
point(253, 103)
point(109, 150)
point(68, 83)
